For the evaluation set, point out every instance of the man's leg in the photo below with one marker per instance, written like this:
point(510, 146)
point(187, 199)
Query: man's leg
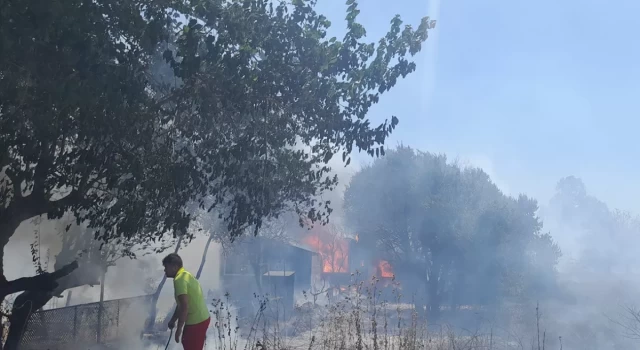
point(194, 336)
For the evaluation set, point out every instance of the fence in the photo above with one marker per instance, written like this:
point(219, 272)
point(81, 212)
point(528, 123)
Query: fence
point(85, 324)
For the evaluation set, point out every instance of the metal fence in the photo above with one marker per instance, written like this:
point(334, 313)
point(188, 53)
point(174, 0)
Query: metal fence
point(86, 324)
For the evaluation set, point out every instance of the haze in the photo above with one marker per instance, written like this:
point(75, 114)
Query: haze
point(539, 96)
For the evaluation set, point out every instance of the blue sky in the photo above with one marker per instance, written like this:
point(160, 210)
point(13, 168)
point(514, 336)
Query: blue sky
point(529, 91)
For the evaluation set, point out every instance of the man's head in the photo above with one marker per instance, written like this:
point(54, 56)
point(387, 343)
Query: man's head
point(172, 263)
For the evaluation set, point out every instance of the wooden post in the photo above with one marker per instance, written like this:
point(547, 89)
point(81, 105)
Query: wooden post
point(69, 298)
point(75, 322)
point(100, 306)
point(118, 319)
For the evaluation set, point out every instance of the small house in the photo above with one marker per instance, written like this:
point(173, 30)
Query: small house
point(249, 265)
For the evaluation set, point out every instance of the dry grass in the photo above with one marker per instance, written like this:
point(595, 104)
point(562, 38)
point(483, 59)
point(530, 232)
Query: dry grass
point(360, 319)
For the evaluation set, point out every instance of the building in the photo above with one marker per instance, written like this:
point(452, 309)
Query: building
point(249, 268)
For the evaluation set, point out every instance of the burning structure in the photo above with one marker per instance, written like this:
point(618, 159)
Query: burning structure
point(341, 257)
point(384, 269)
point(323, 254)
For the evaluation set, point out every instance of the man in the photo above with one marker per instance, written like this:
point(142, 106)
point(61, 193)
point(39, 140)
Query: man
point(192, 314)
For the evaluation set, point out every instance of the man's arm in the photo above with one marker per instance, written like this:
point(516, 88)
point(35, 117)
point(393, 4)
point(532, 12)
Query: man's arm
point(173, 319)
point(182, 310)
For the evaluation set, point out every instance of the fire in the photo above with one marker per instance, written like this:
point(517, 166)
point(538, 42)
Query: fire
point(333, 251)
point(385, 269)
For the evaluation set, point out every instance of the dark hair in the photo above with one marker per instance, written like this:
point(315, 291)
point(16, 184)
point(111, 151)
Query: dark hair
point(172, 259)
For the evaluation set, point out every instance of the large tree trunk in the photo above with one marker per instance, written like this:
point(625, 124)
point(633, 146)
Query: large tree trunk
point(40, 290)
point(24, 305)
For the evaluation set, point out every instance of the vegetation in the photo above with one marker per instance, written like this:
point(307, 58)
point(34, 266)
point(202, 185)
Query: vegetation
point(125, 115)
point(601, 235)
point(131, 118)
point(599, 275)
point(362, 319)
point(450, 232)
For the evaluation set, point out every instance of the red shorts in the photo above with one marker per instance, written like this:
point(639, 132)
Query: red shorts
point(194, 336)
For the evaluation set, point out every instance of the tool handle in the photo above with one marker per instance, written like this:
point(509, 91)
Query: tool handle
point(169, 341)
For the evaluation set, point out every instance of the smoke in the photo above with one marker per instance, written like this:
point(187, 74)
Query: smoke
point(126, 278)
point(134, 277)
point(598, 272)
point(597, 275)
point(17, 258)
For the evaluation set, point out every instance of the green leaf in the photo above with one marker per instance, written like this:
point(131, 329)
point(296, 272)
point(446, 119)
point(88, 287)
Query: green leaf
point(155, 114)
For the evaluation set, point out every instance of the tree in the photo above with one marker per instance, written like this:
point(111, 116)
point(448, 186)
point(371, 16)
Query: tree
point(600, 237)
point(629, 322)
point(89, 127)
point(449, 227)
point(94, 258)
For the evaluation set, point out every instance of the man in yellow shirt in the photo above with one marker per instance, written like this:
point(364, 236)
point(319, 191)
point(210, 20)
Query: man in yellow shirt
point(192, 314)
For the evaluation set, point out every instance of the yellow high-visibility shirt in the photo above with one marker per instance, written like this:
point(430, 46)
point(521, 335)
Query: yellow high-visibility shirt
point(186, 283)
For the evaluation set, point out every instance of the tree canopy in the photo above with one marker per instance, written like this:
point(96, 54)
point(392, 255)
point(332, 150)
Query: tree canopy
point(449, 230)
point(124, 113)
point(87, 128)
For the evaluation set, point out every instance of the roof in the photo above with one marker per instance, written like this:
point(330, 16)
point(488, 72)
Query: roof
point(290, 243)
point(303, 247)
point(279, 273)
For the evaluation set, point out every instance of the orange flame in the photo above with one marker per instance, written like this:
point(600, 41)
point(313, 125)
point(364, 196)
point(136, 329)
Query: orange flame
point(333, 251)
point(385, 269)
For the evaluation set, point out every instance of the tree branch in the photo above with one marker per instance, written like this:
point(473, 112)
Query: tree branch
point(76, 279)
point(67, 200)
point(40, 173)
point(171, 97)
point(4, 159)
point(17, 185)
point(46, 281)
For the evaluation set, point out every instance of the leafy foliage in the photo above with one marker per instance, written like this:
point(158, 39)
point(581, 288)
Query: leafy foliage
point(451, 228)
point(123, 114)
